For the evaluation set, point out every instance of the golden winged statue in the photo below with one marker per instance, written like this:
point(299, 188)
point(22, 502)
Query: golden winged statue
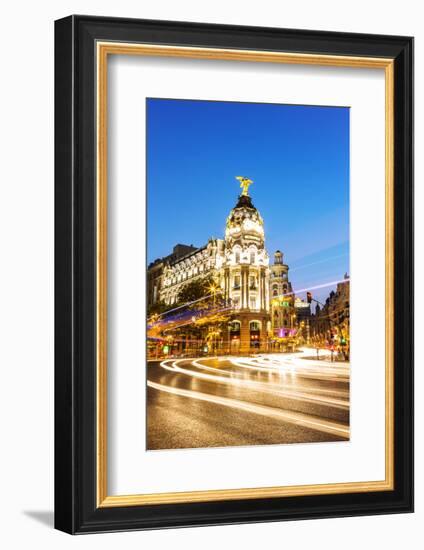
point(244, 184)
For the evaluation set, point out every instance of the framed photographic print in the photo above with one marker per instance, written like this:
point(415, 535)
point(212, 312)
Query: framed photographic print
point(233, 274)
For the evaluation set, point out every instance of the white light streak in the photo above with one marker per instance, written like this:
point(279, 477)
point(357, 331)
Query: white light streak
point(280, 391)
point(299, 419)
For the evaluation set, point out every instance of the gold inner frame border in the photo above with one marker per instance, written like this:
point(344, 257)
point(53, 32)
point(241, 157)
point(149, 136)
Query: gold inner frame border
point(103, 50)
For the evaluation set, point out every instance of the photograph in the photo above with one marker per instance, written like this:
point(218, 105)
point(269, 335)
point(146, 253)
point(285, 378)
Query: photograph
point(248, 275)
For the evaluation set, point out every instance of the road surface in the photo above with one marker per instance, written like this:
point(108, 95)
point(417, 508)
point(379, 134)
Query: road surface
point(262, 400)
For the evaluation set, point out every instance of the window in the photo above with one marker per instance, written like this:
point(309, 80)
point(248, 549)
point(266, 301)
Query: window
point(252, 303)
point(237, 256)
point(237, 281)
point(234, 326)
point(255, 326)
point(252, 256)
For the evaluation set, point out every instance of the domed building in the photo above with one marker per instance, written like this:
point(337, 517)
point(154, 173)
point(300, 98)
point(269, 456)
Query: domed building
point(245, 273)
point(240, 265)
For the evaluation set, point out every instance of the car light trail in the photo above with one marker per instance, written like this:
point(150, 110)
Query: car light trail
point(299, 419)
point(173, 366)
point(198, 364)
point(302, 369)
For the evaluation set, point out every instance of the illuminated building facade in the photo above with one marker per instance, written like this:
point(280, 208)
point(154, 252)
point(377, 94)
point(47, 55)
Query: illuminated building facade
point(239, 264)
point(282, 299)
point(331, 323)
point(303, 319)
point(245, 276)
point(156, 269)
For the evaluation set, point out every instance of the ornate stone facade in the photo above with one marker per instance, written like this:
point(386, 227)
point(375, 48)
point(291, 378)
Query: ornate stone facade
point(155, 271)
point(282, 298)
point(197, 264)
point(240, 265)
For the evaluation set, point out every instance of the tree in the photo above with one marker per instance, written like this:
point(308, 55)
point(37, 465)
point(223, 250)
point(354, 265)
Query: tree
point(195, 290)
point(206, 288)
point(158, 308)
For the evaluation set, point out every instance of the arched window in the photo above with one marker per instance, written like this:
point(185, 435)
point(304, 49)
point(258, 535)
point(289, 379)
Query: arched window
point(252, 256)
point(237, 256)
point(234, 326)
point(255, 325)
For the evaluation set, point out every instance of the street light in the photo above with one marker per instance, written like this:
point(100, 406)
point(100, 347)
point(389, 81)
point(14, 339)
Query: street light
point(213, 289)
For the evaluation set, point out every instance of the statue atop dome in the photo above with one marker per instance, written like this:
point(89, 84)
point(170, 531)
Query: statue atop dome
point(244, 184)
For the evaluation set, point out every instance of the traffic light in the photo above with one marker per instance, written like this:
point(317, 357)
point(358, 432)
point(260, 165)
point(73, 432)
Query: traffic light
point(309, 297)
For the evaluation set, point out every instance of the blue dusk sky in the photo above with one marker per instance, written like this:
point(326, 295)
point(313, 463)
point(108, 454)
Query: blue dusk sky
point(297, 156)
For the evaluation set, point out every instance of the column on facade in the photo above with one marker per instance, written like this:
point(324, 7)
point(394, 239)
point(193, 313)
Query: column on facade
point(226, 284)
point(263, 295)
point(264, 335)
point(247, 282)
point(244, 335)
point(243, 287)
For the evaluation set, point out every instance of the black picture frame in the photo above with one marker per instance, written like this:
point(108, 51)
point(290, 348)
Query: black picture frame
point(76, 510)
